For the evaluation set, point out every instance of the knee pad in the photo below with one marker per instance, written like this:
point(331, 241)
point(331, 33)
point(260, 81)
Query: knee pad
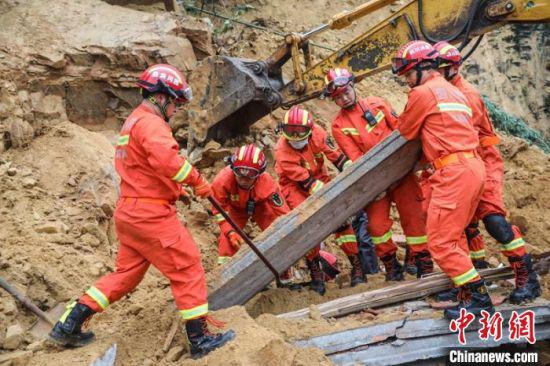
point(472, 231)
point(499, 228)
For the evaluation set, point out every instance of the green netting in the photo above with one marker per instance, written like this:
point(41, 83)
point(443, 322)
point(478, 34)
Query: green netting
point(515, 126)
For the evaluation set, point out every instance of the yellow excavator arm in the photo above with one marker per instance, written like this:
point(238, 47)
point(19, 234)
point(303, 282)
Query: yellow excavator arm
point(235, 92)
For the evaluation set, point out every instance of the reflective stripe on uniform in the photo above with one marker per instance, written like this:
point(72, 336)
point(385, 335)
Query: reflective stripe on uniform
point(465, 277)
point(219, 218)
point(379, 117)
point(381, 239)
point(514, 244)
point(477, 254)
point(316, 186)
point(350, 131)
point(415, 240)
point(123, 140)
point(68, 310)
point(98, 296)
point(223, 260)
point(183, 173)
point(454, 107)
point(346, 239)
point(194, 312)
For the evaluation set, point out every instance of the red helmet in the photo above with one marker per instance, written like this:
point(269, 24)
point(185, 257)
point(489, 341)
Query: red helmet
point(449, 55)
point(336, 80)
point(166, 79)
point(248, 161)
point(297, 124)
point(413, 54)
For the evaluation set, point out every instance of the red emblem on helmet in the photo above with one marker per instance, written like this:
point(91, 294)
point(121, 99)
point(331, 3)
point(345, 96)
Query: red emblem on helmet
point(449, 55)
point(336, 81)
point(297, 124)
point(411, 55)
point(166, 79)
point(248, 161)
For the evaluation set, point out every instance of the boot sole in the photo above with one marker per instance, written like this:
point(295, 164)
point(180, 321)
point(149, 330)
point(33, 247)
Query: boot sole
point(67, 343)
point(231, 336)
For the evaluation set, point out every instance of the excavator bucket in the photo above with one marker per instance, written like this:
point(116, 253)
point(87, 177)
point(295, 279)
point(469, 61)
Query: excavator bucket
point(230, 95)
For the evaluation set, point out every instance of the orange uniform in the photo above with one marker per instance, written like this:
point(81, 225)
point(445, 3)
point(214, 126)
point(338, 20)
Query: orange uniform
point(356, 136)
point(491, 202)
point(263, 202)
point(147, 226)
point(438, 113)
point(303, 172)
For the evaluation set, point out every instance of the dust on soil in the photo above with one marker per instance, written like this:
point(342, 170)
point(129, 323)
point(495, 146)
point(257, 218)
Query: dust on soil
point(58, 189)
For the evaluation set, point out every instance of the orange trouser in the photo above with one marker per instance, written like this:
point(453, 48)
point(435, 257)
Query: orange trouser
point(455, 193)
point(345, 236)
point(263, 216)
point(150, 233)
point(491, 203)
point(408, 198)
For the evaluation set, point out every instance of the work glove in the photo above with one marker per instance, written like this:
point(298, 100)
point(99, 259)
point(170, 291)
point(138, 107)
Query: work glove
point(235, 239)
point(184, 196)
point(203, 188)
point(347, 164)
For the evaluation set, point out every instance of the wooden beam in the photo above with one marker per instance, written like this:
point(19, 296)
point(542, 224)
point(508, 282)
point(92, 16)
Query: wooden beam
point(292, 236)
point(392, 294)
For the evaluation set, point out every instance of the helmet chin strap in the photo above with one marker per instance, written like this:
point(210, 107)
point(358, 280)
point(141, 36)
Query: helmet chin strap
point(418, 76)
point(352, 105)
point(162, 108)
point(448, 75)
point(419, 70)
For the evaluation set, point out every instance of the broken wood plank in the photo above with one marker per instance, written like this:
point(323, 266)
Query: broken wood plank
point(392, 294)
point(171, 334)
point(405, 337)
point(354, 338)
point(424, 348)
point(292, 236)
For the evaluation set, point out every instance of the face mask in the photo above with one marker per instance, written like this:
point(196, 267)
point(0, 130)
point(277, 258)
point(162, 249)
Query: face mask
point(298, 145)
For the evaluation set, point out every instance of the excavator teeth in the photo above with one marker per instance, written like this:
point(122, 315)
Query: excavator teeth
point(232, 94)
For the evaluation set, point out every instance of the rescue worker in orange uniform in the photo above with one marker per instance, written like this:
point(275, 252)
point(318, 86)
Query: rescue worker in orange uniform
point(358, 127)
point(152, 175)
point(245, 190)
point(299, 164)
point(491, 207)
point(438, 114)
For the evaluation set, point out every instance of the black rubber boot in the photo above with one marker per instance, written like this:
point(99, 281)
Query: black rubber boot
point(410, 263)
point(68, 330)
point(424, 263)
point(356, 274)
point(448, 295)
point(527, 284)
point(201, 340)
point(394, 269)
point(480, 263)
point(474, 298)
point(317, 276)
